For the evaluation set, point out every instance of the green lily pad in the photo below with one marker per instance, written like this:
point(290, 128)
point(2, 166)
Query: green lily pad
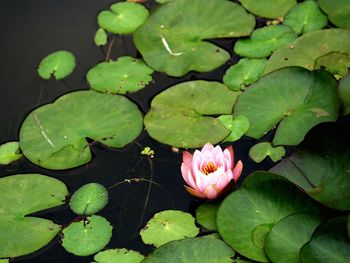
point(60, 64)
point(192, 250)
point(244, 73)
point(89, 199)
point(22, 195)
point(348, 226)
point(9, 153)
point(238, 126)
point(287, 237)
point(168, 226)
point(329, 243)
point(335, 63)
point(118, 255)
point(261, 150)
point(173, 40)
point(307, 49)
point(59, 142)
point(305, 17)
point(247, 215)
point(321, 168)
point(87, 236)
point(206, 215)
point(100, 37)
point(127, 74)
point(180, 115)
point(269, 8)
point(294, 98)
point(4, 261)
point(344, 93)
point(123, 18)
point(338, 12)
point(264, 41)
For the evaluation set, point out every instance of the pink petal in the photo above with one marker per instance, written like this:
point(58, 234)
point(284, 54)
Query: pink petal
point(191, 180)
point(197, 158)
point(200, 180)
point(187, 158)
point(229, 151)
point(210, 192)
point(236, 173)
point(224, 180)
point(207, 147)
point(219, 159)
point(194, 192)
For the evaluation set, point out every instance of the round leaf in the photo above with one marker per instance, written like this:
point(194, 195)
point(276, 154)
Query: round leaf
point(329, 243)
point(9, 152)
point(173, 39)
point(206, 215)
point(127, 74)
point(316, 45)
point(305, 17)
point(247, 215)
point(244, 73)
point(268, 8)
point(294, 98)
point(87, 237)
point(123, 18)
point(264, 41)
point(118, 255)
point(100, 37)
point(180, 115)
point(261, 150)
point(89, 199)
point(167, 226)
point(288, 236)
point(192, 250)
point(338, 12)
point(22, 195)
point(59, 142)
point(238, 126)
point(344, 93)
point(60, 64)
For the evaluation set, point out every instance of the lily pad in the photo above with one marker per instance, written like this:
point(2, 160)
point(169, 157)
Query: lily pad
point(118, 255)
point(269, 8)
point(180, 115)
point(173, 40)
point(59, 142)
point(192, 250)
point(247, 215)
point(127, 74)
point(348, 226)
point(305, 17)
point(294, 98)
point(168, 226)
point(4, 261)
point(9, 152)
point(100, 37)
point(329, 243)
point(288, 236)
point(89, 199)
point(264, 41)
point(22, 195)
point(123, 18)
point(238, 126)
point(87, 236)
point(307, 49)
point(244, 73)
point(321, 168)
point(261, 150)
point(59, 64)
point(206, 215)
point(344, 93)
point(335, 63)
point(338, 12)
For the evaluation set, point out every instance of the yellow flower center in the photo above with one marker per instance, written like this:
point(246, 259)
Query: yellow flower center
point(209, 168)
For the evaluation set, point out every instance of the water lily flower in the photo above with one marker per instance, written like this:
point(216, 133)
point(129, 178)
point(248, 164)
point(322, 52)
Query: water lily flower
point(209, 171)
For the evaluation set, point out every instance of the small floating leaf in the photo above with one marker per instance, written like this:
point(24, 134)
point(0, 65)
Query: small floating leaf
point(206, 215)
point(20, 196)
point(338, 12)
point(238, 126)
point(192, 250)
point(123, 18)
point(167, 226)
point(268, 8)
point(118, 255)
point(89, 199)
point(244, 73)
point(127, 74)
point(60, 64)
point(87, 236)
point(305, 17)
point(9, 152)
point(100, 37)
point(264, 41)
point(261, 150)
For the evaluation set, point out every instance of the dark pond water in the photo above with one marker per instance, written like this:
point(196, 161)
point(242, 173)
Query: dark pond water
point(30, 30)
